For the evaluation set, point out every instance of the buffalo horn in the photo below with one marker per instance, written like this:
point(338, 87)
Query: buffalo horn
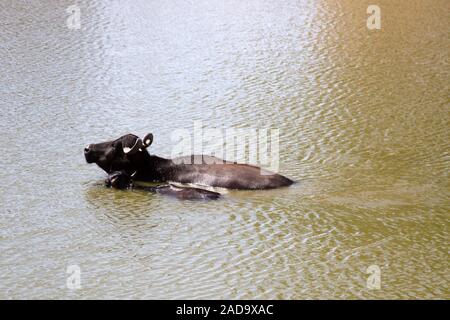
point(137, 146)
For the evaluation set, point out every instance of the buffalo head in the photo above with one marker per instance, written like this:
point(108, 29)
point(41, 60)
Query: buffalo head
point(128, 153)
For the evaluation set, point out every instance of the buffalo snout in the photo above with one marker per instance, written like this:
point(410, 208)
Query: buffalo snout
point(93, 152)
point(88, 154)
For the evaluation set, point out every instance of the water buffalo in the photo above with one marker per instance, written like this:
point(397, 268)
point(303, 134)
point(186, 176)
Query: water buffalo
point(128, 155)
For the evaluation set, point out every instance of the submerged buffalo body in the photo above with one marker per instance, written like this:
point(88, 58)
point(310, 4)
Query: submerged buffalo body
point(129, 156)
point(121, 180)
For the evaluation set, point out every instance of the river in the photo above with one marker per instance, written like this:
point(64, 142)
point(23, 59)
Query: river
point(363, 120)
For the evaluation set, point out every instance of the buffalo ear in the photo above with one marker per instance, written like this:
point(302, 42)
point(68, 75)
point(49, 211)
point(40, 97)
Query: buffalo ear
point(148, 139)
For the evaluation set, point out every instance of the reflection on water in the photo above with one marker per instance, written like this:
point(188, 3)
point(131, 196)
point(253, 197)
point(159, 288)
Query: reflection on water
point(363, 119)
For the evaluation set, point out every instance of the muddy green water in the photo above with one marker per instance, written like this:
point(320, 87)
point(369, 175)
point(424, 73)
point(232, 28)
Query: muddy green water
point(364, 127)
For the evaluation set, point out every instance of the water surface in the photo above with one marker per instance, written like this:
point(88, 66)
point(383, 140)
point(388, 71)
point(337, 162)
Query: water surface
point(364, 128)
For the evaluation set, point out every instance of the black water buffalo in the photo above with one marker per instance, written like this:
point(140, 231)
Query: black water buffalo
point(129, 156)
